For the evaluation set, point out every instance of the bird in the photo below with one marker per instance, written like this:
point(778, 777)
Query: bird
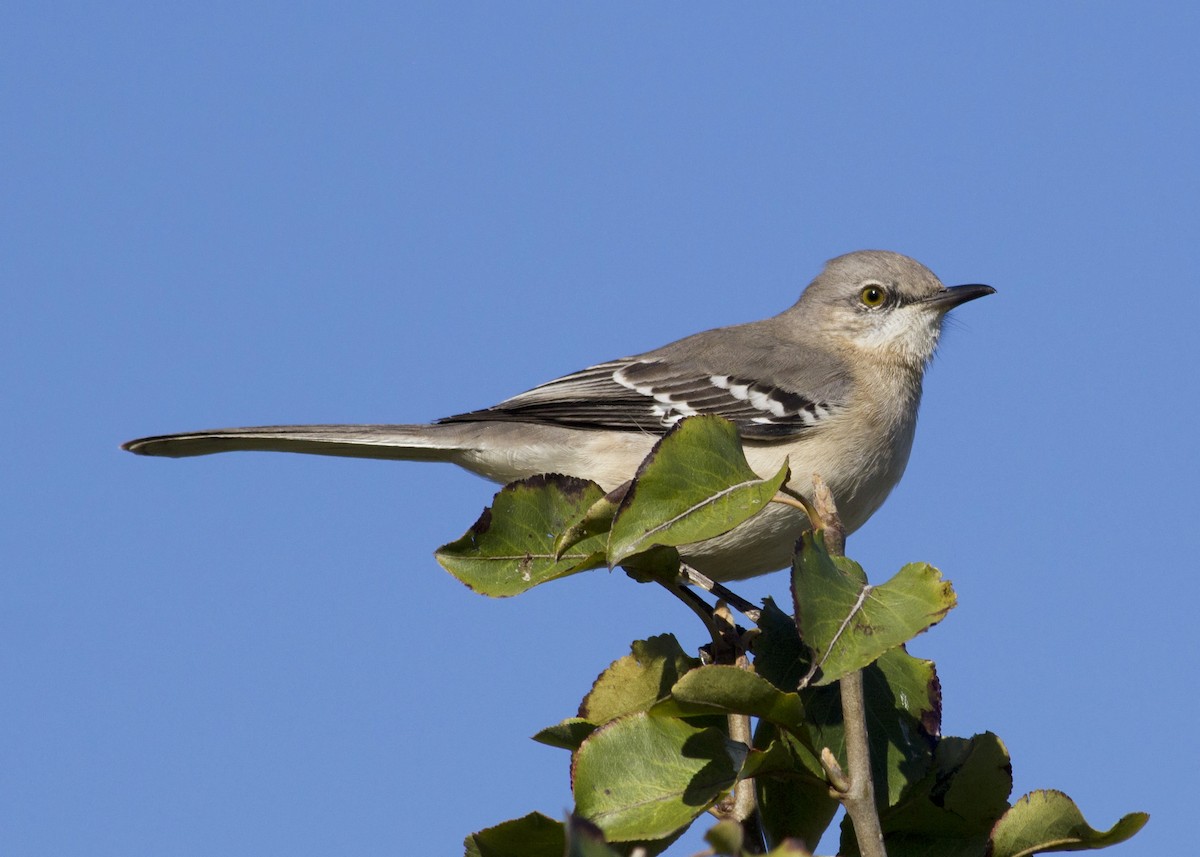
point(832, 385)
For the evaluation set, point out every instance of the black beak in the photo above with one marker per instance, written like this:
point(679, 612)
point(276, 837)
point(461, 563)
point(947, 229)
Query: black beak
point(950, 297)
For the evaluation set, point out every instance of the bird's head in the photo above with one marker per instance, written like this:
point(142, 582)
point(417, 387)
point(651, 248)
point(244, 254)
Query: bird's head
point(881, 303)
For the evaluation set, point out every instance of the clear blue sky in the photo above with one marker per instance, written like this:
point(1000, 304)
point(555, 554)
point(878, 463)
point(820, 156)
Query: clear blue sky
point(224, 214)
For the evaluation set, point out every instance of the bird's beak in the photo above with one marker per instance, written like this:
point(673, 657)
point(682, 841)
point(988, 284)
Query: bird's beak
point(948, 298)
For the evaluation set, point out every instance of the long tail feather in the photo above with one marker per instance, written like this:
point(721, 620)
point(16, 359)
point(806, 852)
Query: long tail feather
point(412, 442)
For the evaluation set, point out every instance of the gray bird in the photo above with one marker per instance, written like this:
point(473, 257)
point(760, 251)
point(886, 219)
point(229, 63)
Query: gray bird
point(832, 384)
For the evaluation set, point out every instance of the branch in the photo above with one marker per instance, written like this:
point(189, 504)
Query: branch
point(740, 604)
point(742, 805)
point(859, 798)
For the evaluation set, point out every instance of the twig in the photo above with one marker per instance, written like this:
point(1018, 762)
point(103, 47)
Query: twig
point(837, 777)
point(740, 604)
point(859, 798)
point(697, 605)
point(742, 806)
point(835, 533)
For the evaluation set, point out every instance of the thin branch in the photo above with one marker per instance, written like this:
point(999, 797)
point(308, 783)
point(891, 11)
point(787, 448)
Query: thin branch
point(742, 806)
point(833, 770)
point(835, 533)
point(859, 799)
point(697, 605)
point(740, 604)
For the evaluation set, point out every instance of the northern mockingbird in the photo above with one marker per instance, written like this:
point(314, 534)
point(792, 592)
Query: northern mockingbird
point(832, 384)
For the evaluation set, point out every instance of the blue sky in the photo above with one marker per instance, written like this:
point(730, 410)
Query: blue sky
point(235, 214)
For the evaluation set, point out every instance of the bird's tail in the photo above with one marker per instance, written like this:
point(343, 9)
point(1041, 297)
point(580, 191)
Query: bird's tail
point(411, 442)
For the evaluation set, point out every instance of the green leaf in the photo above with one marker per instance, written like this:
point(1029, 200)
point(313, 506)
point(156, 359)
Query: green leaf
point(695, 484)
point(965, 791)
point(903, 701)
point(568, 734)
point(644, 777)
point(533, 835)
point(952, 809)
point(904, 710)
point(795, 807)
point(654, 565)
point(727, 689)
point(511, 548)
point(778, 757)
point(779, 656)
point(849, 623)
point(903, 698)
point(1050, 821)
point(596, 520)
point(585, 839)
point(638, 680)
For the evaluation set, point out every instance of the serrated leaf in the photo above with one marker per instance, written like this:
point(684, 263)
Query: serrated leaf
point(638, 680)
point(644, 777)
point(533, 835)
point(511, 548)
point(567, 735)
point(695, 484)
point(848, 623)
point(1050, 821)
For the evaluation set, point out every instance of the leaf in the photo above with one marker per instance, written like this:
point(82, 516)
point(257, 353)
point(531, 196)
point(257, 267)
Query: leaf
point(654, 565)
point(511, 547)
point(727, 689)
point(904, 720)
point(779, 656)
point(965, 791)
point(638, 680)
point(596, 520)
point(847, 622)
point(585, 839)
point(778, 757)
point(1050, 821)
point(952, 809)
point(644, 777)
point(568, 734)
point(533, 835)
point(902, 693)
point(695, 484)
point(903, 698)
point(795, 807)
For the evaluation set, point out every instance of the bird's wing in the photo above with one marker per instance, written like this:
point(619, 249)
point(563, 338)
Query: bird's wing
point(652, 392)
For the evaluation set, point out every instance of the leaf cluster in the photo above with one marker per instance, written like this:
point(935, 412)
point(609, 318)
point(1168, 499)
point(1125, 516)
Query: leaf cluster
point(651, 744)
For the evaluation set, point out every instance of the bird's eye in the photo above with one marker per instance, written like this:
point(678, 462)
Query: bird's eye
point(873, 296)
